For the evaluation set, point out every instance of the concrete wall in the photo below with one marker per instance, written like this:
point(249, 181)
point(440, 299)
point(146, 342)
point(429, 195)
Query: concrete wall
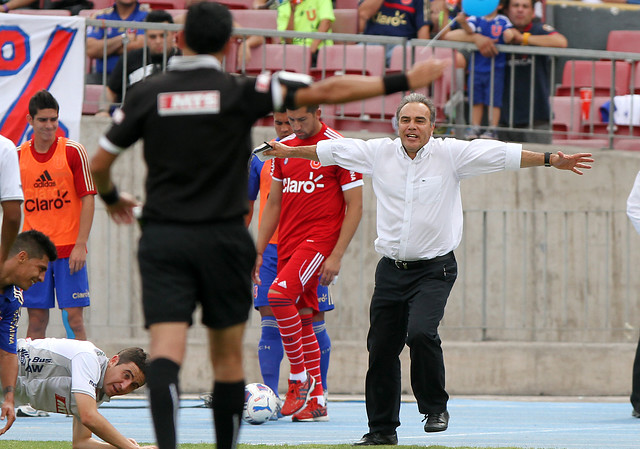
point(564, 355)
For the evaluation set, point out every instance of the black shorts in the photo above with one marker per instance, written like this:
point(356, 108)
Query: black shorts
point(183, 265)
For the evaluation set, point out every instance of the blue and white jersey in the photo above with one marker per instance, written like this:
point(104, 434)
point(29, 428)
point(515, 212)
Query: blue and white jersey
point(494, 29)
point(10, 302)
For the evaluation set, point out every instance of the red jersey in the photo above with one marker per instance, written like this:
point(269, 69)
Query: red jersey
point(313, 203)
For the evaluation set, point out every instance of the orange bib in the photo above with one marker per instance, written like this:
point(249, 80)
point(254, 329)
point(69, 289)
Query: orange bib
point(51, 204)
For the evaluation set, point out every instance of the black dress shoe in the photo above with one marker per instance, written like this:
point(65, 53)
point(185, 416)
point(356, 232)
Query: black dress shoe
point(635, 413)
point(377, 439)
point(436, 422)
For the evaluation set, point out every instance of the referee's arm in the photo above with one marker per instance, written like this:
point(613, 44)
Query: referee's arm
point(346, 88)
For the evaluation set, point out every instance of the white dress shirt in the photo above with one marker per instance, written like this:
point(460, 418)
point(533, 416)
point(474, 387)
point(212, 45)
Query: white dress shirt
point(419, 212)
point(633, 204)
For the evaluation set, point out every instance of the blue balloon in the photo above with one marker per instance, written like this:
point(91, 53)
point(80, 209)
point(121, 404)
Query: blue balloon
point(479, 7)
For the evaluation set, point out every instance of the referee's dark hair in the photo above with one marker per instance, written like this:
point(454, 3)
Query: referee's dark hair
point(35, 244)
point(208, 27)
point(42, 100)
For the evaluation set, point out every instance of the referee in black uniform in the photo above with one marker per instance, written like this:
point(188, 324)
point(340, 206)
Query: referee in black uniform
point(196, 122)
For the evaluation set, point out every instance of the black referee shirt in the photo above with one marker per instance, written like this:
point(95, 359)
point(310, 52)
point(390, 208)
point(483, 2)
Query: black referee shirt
point(196, 124)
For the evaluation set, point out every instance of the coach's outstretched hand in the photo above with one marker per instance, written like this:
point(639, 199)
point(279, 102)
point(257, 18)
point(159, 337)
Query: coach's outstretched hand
point(572, 162)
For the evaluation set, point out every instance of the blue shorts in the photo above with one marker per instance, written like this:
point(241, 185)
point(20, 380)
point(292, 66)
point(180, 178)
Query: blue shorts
point(71, 290)
point(268, 272)
point(482, 87)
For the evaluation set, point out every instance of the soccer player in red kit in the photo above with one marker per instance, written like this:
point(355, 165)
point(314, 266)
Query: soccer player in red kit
point(318, 210)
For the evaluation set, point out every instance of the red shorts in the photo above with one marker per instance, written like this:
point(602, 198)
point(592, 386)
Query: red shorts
point(298, 276)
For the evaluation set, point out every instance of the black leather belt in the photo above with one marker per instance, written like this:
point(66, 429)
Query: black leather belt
point(412, 264)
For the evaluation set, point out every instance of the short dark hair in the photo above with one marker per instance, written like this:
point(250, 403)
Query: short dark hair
point(208, 27)
point(42, 100)
point(138, 357)
point(159, 16)
point(35, 244)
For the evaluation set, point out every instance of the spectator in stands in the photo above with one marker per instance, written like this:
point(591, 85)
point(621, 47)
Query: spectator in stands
point(160, 47)
point(486, 91)
point(117, 38)
point(521, 13)
point(307, 16)
point(401, 18)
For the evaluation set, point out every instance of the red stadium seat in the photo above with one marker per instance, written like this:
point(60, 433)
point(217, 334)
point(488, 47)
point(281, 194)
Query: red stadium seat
point(566, 117)
point(274, 57)
point(165, 4)
point(101, 4)
point(346, 4)
point(624, 40)
point(264, 19)
point(374, 115)
point(346, 21)
point(349, 59)
point(596, 74)
point(92, 98)
point(42, 12)
point(236, 4)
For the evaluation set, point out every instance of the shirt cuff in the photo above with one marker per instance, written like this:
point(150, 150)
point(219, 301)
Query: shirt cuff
point(324, 152)
point(513, 156)
point(110, 147)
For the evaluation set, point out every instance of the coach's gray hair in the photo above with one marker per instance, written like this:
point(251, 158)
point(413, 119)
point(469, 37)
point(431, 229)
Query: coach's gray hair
point(415, 97)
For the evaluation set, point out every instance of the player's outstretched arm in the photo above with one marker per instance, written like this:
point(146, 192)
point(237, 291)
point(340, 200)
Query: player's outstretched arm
point(559, 160)
point(8, 376)
point(342, 89)
point(91, 421)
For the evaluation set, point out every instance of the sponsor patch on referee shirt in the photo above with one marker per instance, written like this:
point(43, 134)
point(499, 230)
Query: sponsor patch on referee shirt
point(186, 103)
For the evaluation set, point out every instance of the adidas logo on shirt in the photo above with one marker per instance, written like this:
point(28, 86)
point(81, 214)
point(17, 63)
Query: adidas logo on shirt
point(282, 284)
point(45, 180)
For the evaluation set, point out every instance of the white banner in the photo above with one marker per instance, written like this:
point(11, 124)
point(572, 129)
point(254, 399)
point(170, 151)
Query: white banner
point(40, 52)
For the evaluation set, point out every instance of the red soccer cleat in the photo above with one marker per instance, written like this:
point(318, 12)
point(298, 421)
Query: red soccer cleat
point(312, 412)
point(297, 395)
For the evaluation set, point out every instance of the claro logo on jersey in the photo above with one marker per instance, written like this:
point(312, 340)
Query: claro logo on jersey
point(294, 186)
point(188, 103)
point(38, 204)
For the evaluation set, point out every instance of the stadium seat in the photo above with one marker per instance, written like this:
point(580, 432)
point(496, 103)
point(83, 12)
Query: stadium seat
point(565, 123)
point(274, 57)
point(581, 72)
point(624, 40)
point(374, 114)
point(635, 81)
point(236, 4)
point(401, 59)
point(101, 4)
point(440, 90)
point(165, 4)
point(92, 97)
point(177, 12)
point(349, 59)
point(346, 21)
point(264, 19)
point(88, 12)
point(42, 12)
point(346, 4)
point(627, 144)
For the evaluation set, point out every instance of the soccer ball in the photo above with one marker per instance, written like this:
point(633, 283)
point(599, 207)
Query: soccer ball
point(260, 403)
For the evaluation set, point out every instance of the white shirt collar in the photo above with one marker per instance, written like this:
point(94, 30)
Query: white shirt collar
point(192, 62)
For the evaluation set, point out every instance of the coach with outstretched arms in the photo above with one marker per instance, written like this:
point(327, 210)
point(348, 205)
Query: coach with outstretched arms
point(416, 179)
point(196, 122)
